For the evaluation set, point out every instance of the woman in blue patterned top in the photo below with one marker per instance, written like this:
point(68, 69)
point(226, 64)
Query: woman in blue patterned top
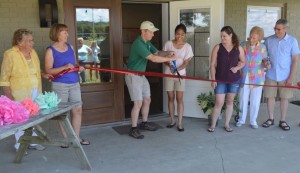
point(253, 76)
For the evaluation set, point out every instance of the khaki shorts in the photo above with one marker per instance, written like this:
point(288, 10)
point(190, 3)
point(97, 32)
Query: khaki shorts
point(138, 86)
point(173, 84)
point(67, 92)
point(271, 92)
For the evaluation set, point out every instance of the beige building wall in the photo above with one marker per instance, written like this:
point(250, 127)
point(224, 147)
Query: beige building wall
point(15, 14)
point(236, 16)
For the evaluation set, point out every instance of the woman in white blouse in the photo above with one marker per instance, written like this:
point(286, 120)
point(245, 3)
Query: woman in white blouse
point(174, 87)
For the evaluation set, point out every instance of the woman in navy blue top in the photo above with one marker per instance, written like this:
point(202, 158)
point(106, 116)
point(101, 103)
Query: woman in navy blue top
point(227, 59)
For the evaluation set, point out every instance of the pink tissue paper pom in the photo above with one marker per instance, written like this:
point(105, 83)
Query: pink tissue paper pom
point(31, 106)
point(12, 112)
point(6, 114)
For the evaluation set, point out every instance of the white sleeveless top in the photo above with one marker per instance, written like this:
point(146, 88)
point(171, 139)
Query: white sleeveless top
point(182, 54)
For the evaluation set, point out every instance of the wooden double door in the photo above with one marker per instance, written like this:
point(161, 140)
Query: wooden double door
point(104, 22)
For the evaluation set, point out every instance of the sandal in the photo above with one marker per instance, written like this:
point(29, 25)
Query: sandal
point(228, 129)
point(210, 129)
point(284, 126)
point(84, 142)
point(268, 123)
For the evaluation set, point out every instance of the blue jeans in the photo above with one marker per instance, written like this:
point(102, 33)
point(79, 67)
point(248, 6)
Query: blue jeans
point(224, 88)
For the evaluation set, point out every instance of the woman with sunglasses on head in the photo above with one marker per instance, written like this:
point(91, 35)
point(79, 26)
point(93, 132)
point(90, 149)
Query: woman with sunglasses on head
point(227, 59)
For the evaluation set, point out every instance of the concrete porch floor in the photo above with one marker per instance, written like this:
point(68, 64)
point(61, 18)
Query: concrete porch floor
point(245, 150)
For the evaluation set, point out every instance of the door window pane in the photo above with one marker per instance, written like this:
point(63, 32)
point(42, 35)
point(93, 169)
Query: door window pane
point(264, 17)
point(93, 28)
point(197, 22)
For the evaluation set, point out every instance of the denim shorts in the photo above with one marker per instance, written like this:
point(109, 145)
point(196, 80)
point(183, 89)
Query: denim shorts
point(224, 88)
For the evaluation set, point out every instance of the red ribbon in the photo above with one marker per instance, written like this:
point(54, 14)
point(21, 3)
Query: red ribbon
point(76, 68)
point(155, 74)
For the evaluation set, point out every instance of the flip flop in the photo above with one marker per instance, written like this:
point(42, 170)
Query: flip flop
point(211, 129)
point(228, 129)
point(84, 142)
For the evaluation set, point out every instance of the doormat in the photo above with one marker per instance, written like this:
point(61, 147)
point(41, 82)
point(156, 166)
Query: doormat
point(124, 130)
point(296, 102)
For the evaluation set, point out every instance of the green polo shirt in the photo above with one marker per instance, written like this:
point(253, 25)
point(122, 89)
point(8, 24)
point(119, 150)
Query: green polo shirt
point(139, 51)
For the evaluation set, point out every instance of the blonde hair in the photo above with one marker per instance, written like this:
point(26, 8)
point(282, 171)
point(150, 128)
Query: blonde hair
point(94, 44)
point(19, 35)
point(55, 30)
point(259, 31)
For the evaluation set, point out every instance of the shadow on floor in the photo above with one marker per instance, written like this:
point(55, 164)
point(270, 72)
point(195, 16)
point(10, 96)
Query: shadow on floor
point(124, 129)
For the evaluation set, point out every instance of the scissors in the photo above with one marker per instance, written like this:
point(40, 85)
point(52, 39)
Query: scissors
point(174, 69)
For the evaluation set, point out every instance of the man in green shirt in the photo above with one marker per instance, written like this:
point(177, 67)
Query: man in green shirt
point(138, 86)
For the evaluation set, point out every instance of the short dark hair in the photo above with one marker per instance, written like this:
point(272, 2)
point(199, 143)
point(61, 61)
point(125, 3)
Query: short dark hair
point(283, 22)
point(55, 30)
point(180, 26)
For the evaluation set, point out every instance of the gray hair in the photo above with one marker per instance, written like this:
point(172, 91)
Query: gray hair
point(19, 35)
point(283, 22)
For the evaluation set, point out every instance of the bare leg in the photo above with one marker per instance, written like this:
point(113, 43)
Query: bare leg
point(171, 106)
point(271, 104)
point(76, 120)
point(229, 108)
point(145, 108)
point(91, 72)
point(217, 109)
point(135, 112)
point(180, 107)
point(97, 75)
point(283, 108)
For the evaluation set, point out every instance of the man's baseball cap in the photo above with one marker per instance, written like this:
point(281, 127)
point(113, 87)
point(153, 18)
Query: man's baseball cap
point(148, 25)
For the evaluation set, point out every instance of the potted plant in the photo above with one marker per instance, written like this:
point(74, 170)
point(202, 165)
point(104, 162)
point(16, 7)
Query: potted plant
point(207, 102)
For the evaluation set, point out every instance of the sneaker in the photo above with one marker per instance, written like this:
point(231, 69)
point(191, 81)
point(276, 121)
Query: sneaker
point(135, 133)
point(147, 126)
point(37, 147)
point(254, 126)
point(238, 124)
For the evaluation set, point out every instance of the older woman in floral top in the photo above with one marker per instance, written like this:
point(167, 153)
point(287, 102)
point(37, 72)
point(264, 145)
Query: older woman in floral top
point(253, 76)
